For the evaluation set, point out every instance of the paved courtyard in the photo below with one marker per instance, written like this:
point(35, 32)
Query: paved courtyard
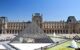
point(5, 39)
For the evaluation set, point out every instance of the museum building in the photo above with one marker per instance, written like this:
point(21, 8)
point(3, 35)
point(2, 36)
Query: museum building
point(70, 26)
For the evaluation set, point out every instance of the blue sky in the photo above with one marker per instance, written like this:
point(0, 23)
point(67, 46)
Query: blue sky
point(52, 10)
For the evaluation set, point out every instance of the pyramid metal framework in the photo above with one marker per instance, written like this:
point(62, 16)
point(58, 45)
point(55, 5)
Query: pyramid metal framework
point(35, 32)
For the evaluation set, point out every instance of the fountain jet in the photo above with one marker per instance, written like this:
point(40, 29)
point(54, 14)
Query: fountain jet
point(73, 44)
point(54, 34)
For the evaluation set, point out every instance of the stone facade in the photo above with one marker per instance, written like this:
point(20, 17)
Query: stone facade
point(70, 26)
